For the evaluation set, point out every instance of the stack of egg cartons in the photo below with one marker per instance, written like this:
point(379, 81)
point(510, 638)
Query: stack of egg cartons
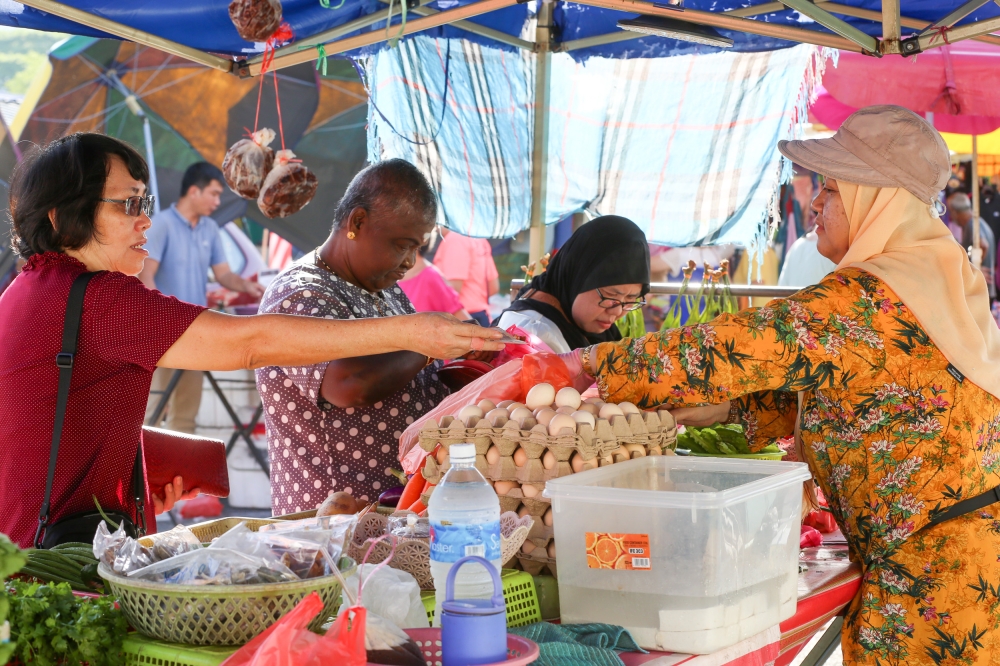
point(518, 455)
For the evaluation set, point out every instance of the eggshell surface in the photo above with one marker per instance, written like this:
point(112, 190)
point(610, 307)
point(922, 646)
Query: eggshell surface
point(540, 395)
point(568, 397)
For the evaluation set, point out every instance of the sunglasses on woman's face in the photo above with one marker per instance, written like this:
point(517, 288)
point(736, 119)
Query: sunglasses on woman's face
point(136, 205)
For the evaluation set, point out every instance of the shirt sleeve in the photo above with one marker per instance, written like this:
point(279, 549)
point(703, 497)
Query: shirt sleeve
point(453, 259)
point(218, 250)
point(134, 324)
point(156, 238)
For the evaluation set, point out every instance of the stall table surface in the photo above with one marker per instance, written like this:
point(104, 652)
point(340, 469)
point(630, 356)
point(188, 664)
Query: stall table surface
point(826, 586)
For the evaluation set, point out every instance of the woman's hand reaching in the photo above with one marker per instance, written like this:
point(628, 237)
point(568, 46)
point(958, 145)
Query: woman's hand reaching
point(172, 493)
point(438, 335)
point(702, 417)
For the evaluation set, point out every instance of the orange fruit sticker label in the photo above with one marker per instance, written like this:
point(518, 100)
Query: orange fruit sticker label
point(629, 552)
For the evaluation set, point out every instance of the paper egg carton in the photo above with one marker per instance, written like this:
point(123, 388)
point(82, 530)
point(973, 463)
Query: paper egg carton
point(601, 445)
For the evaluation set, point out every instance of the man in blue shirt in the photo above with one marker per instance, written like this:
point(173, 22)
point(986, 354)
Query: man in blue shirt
point(183, 243)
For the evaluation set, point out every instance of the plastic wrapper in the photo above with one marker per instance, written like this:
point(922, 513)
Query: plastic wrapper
point(173, 542)
point(120, 552)
point(307, 553)
point(255, 20)
point(287, 188)
point(216, 566)
point(248, 162)
point(409, 526)
point(390, 594)
point(340, 527)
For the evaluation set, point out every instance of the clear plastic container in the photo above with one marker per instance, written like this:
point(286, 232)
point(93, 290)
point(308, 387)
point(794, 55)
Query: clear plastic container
point(690, 554)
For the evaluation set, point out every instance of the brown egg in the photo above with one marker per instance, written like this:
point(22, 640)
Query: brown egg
point(544, 416)
point(505, 404)
point(608, 410)
point(594, 401)
point(441, 456)
point(582, 416)
point(527, 547)
point(504, 487)
point(540, 395)
point(487, 405)
point(493, 455)
point(628, 408)
point(523, 511)
point(565, 410)
point(561, 422)
point(470, 412)
point(497, 417)
point(547, 517)
point(549, 460)
point(568, 397)
point(520, 457)
point(520, 413)
point(529, 490)
point(551, 550)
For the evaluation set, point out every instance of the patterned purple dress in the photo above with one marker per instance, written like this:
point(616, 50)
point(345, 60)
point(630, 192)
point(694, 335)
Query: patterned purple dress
point(315, 448)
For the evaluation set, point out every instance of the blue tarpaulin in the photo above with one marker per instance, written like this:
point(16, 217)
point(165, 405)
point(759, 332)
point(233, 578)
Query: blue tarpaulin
point(205, 25)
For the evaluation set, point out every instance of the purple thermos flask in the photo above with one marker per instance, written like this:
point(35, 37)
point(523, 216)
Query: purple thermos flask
point(473, 631)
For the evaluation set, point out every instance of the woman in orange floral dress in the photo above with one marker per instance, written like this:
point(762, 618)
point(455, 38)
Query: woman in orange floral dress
point(894, 365)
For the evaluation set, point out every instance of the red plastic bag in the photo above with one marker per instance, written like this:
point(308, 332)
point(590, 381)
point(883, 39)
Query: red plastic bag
point(288, 642)
point(810, 537)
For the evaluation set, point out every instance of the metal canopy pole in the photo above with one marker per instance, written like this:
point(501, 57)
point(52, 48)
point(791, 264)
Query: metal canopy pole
point(977, 256)
point(891, 31)
point(477, 29)
point(839, 26)
point(962, 32)
point(954, 17)
point(294, 54)
point(129, 33)
point(540, 138)
point(905, 21)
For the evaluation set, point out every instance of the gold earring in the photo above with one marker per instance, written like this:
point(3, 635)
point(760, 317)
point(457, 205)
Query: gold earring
point(350, 235)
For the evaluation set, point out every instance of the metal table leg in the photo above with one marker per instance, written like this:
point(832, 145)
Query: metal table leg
point(241, 431)
point(157, 415)
point(826, 645)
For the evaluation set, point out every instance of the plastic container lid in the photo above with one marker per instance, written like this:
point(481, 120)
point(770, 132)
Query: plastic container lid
point(462, 453)
point(472, 607)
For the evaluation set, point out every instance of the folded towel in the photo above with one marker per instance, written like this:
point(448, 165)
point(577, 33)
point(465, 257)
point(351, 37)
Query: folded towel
point(578, 644)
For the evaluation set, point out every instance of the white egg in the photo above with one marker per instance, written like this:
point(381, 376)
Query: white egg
point(559, 422)
point(628, 408)
point(608, 410)
point(520, 413)
point(470, 411)
point(487, 405)
point(565, 410)
point(540, 395)
point(544, 416)
point(568, 397)
point(497, 417)
point(584, 417)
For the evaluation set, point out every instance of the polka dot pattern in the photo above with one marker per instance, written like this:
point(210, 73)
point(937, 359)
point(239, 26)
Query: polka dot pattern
point(318, 448)
point(125, 330)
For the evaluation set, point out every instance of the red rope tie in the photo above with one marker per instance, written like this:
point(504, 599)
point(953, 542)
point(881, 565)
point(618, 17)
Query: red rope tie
point(282, 34)
point(942, 32)
point(277, 102)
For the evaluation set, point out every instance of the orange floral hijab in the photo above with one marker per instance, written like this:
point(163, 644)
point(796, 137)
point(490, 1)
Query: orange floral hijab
point(894, 236)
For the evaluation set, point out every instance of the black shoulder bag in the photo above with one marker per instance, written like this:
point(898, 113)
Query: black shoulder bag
point(81, 526)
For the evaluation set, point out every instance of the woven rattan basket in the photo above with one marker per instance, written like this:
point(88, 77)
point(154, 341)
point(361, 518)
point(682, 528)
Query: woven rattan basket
point(218, 614)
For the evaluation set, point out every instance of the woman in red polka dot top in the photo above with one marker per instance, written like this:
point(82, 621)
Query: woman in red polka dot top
point(80, 204)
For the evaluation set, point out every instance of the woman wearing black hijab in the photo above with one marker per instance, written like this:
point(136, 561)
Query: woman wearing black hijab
point(600, 274)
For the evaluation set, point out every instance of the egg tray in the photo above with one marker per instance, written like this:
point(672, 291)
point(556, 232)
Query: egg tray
point(602, 444)
point(535, 565)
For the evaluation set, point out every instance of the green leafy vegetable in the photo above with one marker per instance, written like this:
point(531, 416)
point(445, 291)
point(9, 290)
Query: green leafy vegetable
point(52, 626)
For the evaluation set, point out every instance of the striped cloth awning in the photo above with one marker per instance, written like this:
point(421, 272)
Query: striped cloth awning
point(684, 146)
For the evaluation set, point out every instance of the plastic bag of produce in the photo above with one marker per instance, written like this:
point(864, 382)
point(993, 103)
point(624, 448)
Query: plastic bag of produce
point(391, 594)
point(255, 20)
point(216, 566)
point(120, 552)
point(288, 642)
point(287, 188)
point(247, 163)
point(307, 553)
point(340, 527)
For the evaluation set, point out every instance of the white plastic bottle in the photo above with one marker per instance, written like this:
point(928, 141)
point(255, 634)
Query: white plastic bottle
point(464, 513)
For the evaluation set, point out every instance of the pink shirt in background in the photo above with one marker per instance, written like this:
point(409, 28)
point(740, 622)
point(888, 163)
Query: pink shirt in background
point(470, 260)
point(429, 292)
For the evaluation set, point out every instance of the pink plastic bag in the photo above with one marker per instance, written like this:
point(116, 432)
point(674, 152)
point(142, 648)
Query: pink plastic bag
point(511, 352)
point(288, 642)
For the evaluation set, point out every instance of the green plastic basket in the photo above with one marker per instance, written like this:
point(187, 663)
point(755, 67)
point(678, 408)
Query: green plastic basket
point(518, 593)
point(144, 651)
point(217, 614)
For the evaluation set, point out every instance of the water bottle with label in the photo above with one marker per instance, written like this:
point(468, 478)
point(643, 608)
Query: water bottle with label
point(464, 513)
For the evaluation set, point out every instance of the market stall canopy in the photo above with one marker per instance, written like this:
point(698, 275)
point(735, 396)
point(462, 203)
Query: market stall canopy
point(195, 114)
point(202, 30)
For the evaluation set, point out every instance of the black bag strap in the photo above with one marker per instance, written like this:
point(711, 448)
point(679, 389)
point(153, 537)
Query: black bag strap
point(64, 361)
point(991, 496)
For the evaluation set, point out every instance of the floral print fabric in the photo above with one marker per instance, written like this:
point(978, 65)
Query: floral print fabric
point(892, 432)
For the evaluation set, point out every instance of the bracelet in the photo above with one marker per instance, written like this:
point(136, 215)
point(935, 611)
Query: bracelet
point(734, 413)
point(585, 360)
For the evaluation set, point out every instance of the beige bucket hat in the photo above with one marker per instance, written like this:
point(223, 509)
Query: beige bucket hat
point(880, 146)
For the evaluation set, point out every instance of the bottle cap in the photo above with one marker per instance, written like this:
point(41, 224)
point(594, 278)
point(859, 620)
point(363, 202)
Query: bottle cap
point(462, 453)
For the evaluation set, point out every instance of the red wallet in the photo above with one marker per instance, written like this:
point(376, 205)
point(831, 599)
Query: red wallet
point(199, 460)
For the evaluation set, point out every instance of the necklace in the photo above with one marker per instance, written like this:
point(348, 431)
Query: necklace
point(377, 300)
